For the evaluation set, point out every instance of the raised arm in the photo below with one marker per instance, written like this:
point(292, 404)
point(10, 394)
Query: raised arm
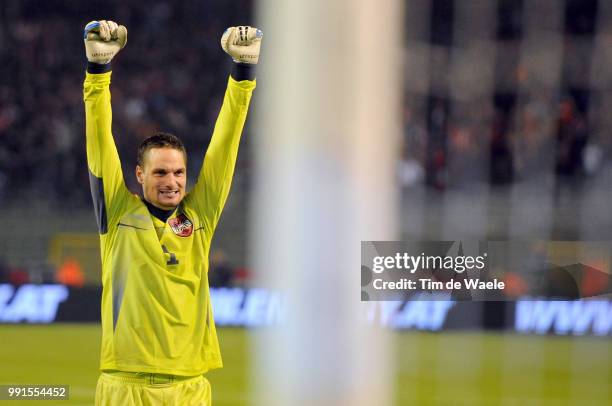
point(215, 178)
point(102, 41)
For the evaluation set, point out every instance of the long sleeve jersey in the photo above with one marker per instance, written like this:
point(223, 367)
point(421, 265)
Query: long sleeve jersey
point(156, 308)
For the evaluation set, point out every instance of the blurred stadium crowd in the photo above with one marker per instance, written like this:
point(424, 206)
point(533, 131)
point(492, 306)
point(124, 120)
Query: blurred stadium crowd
point(171, 77)
point(501, 91)
point(173, 81)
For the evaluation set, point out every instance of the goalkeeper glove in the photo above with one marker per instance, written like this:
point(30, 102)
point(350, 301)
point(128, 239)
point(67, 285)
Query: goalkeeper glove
point(242, 43)
point(103, 40)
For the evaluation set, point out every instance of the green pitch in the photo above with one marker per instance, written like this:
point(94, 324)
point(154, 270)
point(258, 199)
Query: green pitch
point(430, 369)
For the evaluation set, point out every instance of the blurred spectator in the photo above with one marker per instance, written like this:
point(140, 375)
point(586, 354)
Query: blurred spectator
point(70, 274)
point(3, 271)
point(502, 157)
point(241, 277)
point(221, 273)
point(595, 279)
point(515, 285)
point(572, 138)
point(18, 276)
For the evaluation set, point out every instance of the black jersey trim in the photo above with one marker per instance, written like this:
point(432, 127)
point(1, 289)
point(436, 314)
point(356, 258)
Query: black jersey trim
point(161, 214)
point(97, 194)
point(129, 225)
point(243, 71)
point(96, 68)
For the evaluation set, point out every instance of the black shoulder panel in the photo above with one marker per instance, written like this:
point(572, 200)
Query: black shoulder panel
point(97, 194)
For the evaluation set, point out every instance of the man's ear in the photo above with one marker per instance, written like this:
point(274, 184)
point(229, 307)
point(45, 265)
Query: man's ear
point(139, 174)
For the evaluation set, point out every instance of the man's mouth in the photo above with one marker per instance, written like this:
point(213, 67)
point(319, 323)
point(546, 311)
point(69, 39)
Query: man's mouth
point(169, 193)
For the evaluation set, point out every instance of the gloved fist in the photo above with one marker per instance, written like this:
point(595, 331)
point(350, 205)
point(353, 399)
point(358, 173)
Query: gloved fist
point(242, 43)
point(103, 40)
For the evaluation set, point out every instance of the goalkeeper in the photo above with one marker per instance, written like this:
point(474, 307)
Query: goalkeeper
point(158, 332)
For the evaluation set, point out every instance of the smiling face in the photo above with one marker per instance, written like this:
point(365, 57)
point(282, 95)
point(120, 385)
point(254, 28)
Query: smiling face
point(163, 176)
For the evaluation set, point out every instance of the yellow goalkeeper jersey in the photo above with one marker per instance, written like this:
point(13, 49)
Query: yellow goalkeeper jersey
point(156, 310)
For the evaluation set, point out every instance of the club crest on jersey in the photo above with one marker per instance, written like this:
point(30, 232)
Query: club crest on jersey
point(181, 225)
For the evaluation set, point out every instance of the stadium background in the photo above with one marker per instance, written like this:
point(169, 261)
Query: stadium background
point(506, 136)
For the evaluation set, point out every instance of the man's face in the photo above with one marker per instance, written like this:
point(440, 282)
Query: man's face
point(163, 177)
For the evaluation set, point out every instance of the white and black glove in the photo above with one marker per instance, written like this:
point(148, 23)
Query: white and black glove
point(242, 43)
point(103, 40)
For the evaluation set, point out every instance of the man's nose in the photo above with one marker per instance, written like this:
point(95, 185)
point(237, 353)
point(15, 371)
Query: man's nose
point(172, 179)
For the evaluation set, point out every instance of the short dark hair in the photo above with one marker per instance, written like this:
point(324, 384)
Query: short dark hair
point(160, 140)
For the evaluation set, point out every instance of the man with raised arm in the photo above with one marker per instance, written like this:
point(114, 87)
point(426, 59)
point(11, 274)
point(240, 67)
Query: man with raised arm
point(158, 332)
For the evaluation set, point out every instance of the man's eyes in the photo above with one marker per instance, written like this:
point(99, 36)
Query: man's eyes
point(164, 173)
